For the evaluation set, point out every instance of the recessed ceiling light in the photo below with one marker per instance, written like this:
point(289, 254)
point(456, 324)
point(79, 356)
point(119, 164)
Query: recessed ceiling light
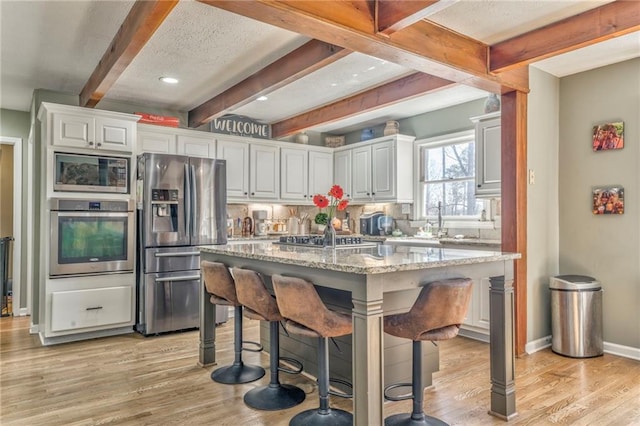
point(334, 84)
point(371, 68)
point(262, 98)
point(169, 80)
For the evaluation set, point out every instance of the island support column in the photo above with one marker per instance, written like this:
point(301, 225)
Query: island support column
point(207, 350)
point(367, 361)
point(501, 335)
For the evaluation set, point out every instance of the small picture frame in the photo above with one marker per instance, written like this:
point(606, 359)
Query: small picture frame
point(608, 200)
point(608, 136)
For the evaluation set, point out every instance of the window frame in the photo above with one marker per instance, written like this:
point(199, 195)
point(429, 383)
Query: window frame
point(436, 142)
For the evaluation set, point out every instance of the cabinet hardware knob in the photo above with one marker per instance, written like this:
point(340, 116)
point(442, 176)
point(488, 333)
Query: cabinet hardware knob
point(305, 196)
point(245, 193)
point(373, 193)
point(253, 193)
point(479, 186)
point(99, 144)
point(368, 193)
point(90, 143)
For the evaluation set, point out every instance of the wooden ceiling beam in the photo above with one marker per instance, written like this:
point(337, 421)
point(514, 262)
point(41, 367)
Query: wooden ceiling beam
point(302, 61)
point(144, 18)
point(593, 26)
point(394, 15)
point(423, 46)
point(405, 88)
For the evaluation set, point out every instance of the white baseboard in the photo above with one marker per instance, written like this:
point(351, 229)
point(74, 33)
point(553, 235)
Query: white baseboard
point(623, 351)
point(537, 345)
point(610, 348)
point(22, 312)
point(34, 329)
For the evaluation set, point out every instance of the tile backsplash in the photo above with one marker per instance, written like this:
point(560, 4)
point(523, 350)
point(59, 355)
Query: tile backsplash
point(402, 222)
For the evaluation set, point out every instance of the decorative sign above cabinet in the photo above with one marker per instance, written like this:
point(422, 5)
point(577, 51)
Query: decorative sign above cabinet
point(241, 126)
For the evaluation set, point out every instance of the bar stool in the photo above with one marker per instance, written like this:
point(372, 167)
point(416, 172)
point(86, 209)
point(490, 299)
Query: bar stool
point(261, 305)
point(307, 315)
point(221, 287)
point(436, 315)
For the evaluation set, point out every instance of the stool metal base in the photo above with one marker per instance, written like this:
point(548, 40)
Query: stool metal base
point(237, 373)
point(330, 417)
point(274, 397)
point(406, 420)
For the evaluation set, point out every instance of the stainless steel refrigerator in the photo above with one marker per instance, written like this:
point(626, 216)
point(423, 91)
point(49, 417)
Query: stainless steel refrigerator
point(181, 204)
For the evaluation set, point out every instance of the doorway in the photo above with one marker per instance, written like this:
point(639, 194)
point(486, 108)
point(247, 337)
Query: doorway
point(11, 197)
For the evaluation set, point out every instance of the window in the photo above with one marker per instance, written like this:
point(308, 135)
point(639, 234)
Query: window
point(447, 178)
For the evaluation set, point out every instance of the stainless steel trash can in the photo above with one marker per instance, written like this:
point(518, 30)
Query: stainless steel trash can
point(576, 316)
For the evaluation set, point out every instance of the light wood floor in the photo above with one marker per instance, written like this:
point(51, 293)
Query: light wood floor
point(132, 380)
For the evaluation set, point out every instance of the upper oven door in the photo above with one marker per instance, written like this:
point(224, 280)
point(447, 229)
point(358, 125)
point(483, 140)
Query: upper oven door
point(91, 173)
point(91, 242)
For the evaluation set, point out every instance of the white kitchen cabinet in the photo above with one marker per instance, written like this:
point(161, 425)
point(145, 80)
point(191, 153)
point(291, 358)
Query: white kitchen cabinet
point(320, 172)
point(78, 309)
point(342, 170)
point(196, 144)
point(253, 170)
point(304, 172)
point(488, 154)
point(382, 170)
point(237, 156)
point(264, 172)
point(157, 141)
point(170, 140)
point(476, 324)
point(75, 127)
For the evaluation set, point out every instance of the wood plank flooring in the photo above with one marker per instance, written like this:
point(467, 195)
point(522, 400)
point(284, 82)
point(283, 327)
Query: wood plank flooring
point(133, 380)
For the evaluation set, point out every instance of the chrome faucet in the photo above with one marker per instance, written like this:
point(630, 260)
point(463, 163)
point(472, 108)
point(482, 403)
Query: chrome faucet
point(439, 233)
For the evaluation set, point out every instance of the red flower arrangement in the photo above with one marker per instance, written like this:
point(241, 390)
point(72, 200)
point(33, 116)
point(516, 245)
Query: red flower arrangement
point(333, 202)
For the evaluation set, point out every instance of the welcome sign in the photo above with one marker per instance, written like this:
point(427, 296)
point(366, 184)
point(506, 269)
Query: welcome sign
point(241, 126)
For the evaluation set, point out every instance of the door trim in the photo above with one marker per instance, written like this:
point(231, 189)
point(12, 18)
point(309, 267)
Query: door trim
point(17, 224)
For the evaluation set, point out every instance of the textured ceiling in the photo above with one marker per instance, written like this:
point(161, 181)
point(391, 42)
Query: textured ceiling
point(56, 45)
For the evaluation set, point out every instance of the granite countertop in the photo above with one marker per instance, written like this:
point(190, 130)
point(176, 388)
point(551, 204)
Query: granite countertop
point(371, 260)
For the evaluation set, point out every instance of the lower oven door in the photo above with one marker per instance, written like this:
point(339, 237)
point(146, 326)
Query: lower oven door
point(91, 242)
point(170, 302)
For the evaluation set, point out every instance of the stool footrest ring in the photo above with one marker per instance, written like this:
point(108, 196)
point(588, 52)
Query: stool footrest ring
point(297, 366)
point(399, 397)
point(341, 394)
point(258, 346)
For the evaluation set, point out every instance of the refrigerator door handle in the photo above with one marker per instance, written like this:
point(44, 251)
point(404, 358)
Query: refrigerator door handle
point(176, 254)
point(179, 278)
point(194, 200)
point(187, 200)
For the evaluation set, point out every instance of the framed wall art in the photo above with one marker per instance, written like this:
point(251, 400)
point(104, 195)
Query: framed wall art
point(608, 200)
point(608, 136)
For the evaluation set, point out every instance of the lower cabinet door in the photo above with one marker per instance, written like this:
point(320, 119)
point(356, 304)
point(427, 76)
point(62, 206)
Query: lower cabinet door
point(90, 308)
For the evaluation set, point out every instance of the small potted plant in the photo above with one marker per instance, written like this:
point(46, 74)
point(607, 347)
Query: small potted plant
point(321, 220)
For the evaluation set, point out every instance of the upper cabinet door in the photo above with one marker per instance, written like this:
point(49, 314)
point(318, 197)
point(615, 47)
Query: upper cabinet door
point(383, 170)
point(361, 173)
point(114, 134)
point(488, 155)
point(294, 166)
point(196, 146)
point(237, 156)
point(76, 131)
point(321, 173)
point(264, 181)
point(163, 143)
point(342, 170)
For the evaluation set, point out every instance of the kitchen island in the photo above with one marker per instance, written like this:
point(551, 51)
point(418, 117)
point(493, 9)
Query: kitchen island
point(370, 275)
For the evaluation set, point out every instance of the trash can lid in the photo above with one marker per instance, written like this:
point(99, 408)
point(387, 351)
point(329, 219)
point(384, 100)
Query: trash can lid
point(574, 282)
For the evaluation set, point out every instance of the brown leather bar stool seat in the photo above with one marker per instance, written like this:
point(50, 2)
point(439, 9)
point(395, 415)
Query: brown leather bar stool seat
point(307, 315)
point(221, 287)
point(436, 315)
point(261, 305)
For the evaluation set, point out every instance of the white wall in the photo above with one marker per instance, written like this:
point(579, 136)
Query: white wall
point(606, 247)
point(542, 199)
